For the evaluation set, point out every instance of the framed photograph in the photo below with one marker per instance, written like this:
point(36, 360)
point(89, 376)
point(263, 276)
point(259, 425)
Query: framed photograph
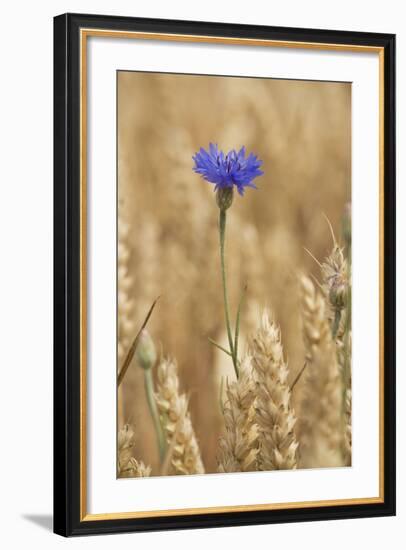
point(224, 260)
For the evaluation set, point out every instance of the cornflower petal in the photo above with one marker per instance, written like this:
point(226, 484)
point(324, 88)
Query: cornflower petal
point(227, 170)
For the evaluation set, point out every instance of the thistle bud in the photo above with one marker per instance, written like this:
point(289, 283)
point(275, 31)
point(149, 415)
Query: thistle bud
point(224, 197)
point(146, 353)
point(338, 293)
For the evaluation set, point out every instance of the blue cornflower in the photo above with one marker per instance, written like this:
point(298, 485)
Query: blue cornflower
point(224, 171)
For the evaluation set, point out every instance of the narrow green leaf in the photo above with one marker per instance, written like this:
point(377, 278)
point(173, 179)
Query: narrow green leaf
point(220, 347)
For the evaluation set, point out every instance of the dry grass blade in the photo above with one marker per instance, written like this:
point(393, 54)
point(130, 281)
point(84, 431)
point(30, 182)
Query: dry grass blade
point(298, 377)
point(133, 347)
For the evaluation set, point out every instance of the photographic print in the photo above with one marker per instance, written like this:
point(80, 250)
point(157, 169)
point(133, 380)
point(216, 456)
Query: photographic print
point(233, 274)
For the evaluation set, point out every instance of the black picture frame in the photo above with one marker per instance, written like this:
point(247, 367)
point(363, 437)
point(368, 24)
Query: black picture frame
point(67, 358)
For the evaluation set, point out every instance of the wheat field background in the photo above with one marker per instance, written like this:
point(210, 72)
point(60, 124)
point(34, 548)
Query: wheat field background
point(168, 226)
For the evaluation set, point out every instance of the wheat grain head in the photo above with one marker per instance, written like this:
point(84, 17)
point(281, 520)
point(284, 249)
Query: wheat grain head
point(321, 407)
point(274, 414)
point(238, 447)
point(127, 465)
point(176, 420)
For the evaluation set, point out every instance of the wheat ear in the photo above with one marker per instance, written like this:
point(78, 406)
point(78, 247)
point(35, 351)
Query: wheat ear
point(274, 413)
point(238, 448)
point(125, 313)
point(176, 420)
point(127, 465)
point(321, 407)
point(348, 428)
point(125, 284)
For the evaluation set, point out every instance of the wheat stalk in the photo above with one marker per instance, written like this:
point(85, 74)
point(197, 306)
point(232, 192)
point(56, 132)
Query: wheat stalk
point(274, 414)
point(127, 465)
point(238, 448)
point(177, 423)
point(322, 428)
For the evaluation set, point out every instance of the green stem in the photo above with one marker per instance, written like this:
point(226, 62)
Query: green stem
point(153, 409)
point(336, 323)
point(222, 228)
point(237, 324)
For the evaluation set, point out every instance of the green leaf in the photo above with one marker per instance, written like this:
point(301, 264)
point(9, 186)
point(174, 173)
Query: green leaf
point(220, 347)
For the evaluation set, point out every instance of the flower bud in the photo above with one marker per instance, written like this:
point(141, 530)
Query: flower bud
point(224, 197)
point(146, 353)
point(338, 293)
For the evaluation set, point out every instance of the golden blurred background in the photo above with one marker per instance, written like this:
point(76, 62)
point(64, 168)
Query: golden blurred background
point(168, 223)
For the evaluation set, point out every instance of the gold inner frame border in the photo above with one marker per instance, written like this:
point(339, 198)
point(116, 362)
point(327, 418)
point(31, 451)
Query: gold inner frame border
point(84, 34)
